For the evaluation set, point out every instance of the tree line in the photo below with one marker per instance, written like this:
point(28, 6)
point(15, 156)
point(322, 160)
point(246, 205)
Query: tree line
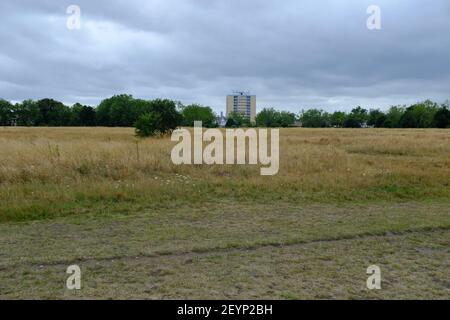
point(162, 115)
point(117, 111)
point(426, 114)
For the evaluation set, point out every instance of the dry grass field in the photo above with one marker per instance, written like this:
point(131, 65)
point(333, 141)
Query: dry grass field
point(141, 227)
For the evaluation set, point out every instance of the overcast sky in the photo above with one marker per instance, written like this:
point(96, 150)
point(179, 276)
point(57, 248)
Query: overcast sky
point(292, 54)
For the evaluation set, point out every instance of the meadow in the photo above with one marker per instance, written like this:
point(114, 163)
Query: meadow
point(142, 227)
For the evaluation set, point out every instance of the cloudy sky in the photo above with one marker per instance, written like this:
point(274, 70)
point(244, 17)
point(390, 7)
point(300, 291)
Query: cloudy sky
point(292, 54)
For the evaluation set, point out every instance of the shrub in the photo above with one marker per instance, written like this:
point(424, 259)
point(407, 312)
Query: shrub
point(162, 119)
point(148, 125)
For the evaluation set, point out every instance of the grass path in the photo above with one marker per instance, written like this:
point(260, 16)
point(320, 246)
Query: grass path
point(229, 250)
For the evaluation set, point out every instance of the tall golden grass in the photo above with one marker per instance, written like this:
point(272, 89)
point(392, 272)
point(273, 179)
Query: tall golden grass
point(45, 167)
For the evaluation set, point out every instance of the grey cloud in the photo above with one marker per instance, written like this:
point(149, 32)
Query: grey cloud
point(292, 54)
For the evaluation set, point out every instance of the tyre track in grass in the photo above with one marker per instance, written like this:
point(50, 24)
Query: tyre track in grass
point(231, 249)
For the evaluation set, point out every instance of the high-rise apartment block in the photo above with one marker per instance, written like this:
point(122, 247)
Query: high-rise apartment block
point(243, 103)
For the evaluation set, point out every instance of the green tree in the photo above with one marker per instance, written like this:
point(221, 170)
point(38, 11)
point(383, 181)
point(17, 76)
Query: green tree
point(268, 118)
point(286, 119)
point(148, 124)
point(27, 113)
point(393, 117)
point(337, 119)
point(315, 118)
point(357, 118)
point(196, 112)
point(53, 113)
point(170, 117)
point(118, 111)
point(442, 117)
point(6, 113)
point(420, 115)
point(376, 118)
point(162, 118)
point(87, 116)
point(75, 114)
point(84, 116)
point(237, 120)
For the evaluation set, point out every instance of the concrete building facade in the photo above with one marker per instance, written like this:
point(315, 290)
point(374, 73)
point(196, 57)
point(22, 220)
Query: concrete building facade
point(243, 103)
